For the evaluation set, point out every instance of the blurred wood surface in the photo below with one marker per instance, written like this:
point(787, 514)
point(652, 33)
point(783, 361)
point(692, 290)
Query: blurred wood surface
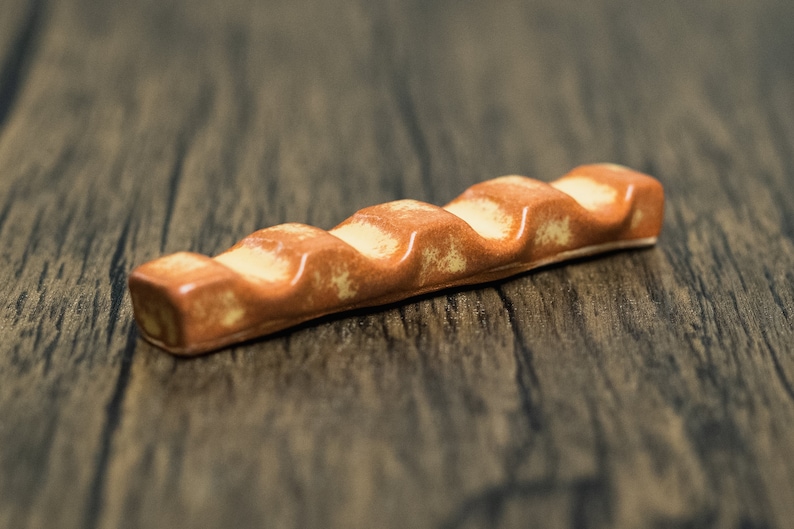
point(643, 389)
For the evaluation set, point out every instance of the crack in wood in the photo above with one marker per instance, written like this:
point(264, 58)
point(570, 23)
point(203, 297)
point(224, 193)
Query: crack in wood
point(113, 416)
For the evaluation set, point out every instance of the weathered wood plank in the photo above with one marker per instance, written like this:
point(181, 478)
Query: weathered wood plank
point(653, 388)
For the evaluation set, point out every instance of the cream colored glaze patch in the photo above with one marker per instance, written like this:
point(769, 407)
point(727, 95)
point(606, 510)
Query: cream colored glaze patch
point(409, 205)
point(450, 262)
point(181, 262)
point(295, 230)
point(367, 239)
point(485, 216)
point(518, 180)
point(232, 316)
point(231, 311)
point(554, 232)
point(587, 192)
point(343, 285)
point(636, 219)
point(159, 322)
point(257, 263)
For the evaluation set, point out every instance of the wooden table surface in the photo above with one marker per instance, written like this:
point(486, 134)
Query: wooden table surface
point(648, 388)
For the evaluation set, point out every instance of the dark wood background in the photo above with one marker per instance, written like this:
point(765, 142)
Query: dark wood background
point(644, 389)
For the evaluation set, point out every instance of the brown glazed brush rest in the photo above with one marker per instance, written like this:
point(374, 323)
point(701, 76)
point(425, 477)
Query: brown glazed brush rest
point(281, 276)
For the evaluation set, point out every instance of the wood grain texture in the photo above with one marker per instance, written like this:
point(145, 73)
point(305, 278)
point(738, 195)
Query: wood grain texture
point(645, 389)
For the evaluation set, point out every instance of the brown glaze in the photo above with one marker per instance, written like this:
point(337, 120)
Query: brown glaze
point(278, 277)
